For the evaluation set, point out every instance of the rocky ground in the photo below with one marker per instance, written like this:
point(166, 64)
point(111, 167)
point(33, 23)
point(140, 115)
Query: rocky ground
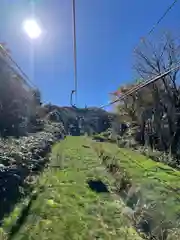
point(21, 159)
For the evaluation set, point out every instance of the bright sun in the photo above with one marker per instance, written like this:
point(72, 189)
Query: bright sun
point(32, 28)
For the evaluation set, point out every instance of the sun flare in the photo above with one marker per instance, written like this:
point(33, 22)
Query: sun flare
point(32, 29)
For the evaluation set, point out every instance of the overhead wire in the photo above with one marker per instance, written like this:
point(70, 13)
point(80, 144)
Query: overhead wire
point(142, 85)
point(162, 17)
point(27, 80)
point(30, 83)
point(16, 69)
point(24, 78)
point(157, 77)
point(74, 51)
point(160, 20)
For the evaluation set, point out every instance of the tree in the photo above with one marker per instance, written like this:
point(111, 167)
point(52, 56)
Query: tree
point(154, 59)
point(158, 101)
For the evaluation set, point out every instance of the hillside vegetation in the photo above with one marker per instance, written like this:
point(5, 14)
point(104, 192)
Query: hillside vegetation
point(149, 188)
point(155, 109)
point(28, 130)
point(66, 205)
point(115, 177)
point(95, 190)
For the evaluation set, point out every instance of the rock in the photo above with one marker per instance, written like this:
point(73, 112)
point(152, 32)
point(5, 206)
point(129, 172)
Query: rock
point(20, 157)
point(133, 196)
point(2, 167)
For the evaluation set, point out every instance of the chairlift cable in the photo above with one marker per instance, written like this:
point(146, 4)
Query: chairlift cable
point(143, 84)
point(162, 17)
point(27, 80)
point(157, 77)
point(74, 51)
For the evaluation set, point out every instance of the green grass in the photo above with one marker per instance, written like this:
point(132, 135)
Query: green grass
point(159, 183)
point(66, 208)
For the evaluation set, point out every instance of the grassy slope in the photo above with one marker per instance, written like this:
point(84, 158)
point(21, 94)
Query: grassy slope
point(159, 183)
point(67, 208)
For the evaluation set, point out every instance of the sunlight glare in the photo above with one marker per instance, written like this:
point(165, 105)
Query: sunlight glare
point(32, 28)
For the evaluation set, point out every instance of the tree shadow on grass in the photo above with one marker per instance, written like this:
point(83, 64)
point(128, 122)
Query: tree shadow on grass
point(13, 186)
point(21, 220)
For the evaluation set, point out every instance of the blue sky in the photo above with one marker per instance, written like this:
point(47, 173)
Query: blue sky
point(107, 32)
